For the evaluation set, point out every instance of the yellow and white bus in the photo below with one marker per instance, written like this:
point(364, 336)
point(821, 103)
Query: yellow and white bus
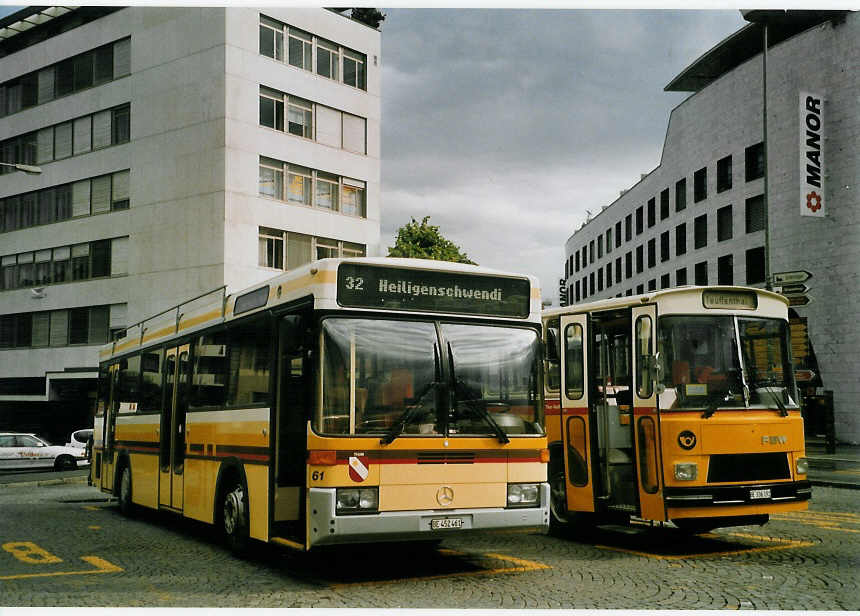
point(678, 405)
point(350, 400)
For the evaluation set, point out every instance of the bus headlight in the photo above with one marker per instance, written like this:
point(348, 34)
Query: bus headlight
point(686, 471)
point(357, 500)
point(523, 494)
point(802, 466)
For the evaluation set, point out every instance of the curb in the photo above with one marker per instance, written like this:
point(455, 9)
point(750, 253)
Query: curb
point(45, 482)
point(834, 484)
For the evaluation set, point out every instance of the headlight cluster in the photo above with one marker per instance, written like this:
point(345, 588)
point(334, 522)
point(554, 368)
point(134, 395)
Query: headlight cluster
point(523, 494)
point(802, 466)
point(686, 471)
point(357, 500)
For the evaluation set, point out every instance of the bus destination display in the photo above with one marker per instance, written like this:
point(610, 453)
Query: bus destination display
point(394, 288)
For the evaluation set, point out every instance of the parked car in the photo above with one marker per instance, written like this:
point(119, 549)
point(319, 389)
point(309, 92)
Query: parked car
point(23, 451)
point(79, 438)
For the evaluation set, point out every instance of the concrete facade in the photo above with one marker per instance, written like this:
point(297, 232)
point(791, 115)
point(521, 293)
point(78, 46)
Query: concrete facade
point(195, 209)
point(724, 118)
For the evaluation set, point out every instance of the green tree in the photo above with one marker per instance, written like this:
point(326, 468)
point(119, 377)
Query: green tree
point(423, 241)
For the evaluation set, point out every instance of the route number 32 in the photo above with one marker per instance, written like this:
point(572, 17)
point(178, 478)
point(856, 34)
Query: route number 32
point(354, 283)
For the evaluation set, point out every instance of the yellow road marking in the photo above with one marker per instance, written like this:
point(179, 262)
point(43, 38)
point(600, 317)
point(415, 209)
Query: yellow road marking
point(102, 566)
point(825, 520)
point(522, 566)
point(30, 553)
point(785, 544)
point(94, 527)
point(91, 508)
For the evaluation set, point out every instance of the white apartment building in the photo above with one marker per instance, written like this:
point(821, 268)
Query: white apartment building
point(181, 149)
point(699, 217)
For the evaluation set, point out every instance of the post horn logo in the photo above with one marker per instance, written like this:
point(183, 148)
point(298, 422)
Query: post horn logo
point(687, 440)
point(813, 201)
point(445, 496)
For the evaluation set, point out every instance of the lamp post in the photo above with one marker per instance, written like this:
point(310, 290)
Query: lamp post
point(31, 169)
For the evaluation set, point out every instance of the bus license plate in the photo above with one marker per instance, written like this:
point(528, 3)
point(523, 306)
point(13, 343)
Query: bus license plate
point(759, 494)
point(439, 524)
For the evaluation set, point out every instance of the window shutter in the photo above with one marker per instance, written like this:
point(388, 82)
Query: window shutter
point(46, 84)
point(62, 140)
point(354, 134)
point(59, 328)
point(101, 129)
point(45, 145)
point(41, 329)
point(120, 186)
point(328, 126)
point(121, 58)
point(83, 135)
point(98, 325)
point(118, 315)
point(119, 256)
point(81, 198)
point(101, 194)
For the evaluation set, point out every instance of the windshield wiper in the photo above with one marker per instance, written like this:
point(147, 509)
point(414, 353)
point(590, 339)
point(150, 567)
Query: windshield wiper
point(714, 401)
point(408, 415)
point(768, 385)
point(472, 405)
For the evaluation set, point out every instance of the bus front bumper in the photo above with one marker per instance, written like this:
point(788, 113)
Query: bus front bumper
point(326, 527)
point(750, 494)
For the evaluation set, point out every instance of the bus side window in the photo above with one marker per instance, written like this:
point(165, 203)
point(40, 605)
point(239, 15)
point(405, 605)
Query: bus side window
point(573, 361)
point(553, 352)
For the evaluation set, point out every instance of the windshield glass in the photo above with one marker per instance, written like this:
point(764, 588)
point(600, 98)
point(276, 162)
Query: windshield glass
point(768, 371)
point(701, 368)
point(384, 377)
point(495, 373)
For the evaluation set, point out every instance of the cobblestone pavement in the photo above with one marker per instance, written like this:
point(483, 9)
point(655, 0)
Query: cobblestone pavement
point(63, 545)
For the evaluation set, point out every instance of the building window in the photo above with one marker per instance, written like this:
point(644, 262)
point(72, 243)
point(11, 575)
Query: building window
point(286, 250)
point(755, 265)
point(681, 277)
point(271, 38)
point(629, 292)
point(328, 59)
point(754, 162)
point(652, 252)
point(652, 213)
point(591, 283)
point(652, 284)
point(599, 280)
point(664, 246)
point(724, 223)
point(640, 289)
point(628, 265)
point(628, 228)
point(700, 185)
point(680, 194)
point(576, 262)
point(755, 214)
point(310, 187)
point(609, 274)
point(724, 173)
point(618, 270)
point(577, 290)
point(609, 240)
point(664, 281)
point(640, 259)
point(584, 257)
point(300, 49)
point(618, 234)
point(599, 246)
point(88, 325)
point(354, 71)
point(701, 273)
point(680, 239)
point(664, 204)
point(591, 252)
point(700, 231)
point(639, 222)
point(584, 287)
point(725, 268)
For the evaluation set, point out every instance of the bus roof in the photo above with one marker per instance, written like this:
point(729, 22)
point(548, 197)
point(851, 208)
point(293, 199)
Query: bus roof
point(682, 295)
point(317, 280)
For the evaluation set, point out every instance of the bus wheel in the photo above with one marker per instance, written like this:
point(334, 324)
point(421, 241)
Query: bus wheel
point(234, 517)
point(126, 507)
point(558, 518)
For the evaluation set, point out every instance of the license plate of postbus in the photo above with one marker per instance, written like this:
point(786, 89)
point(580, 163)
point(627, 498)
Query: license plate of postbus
point(760, 494)
point(442, 523)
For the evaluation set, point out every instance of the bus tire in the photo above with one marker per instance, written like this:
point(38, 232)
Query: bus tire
point(126, 506)
point(559, 522)
point(234, 515)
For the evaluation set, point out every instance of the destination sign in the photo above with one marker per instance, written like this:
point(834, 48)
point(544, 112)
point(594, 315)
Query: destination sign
point(397, 288)
point(742, 300)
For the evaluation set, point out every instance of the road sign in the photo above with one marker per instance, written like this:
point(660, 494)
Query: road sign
point(791, 277)
point(799, 300)
point(791, 289)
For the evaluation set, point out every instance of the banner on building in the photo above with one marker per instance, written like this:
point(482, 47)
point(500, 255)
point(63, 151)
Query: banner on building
point(812, 162)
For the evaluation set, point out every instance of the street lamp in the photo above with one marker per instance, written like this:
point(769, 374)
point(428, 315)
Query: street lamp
point(31, 169)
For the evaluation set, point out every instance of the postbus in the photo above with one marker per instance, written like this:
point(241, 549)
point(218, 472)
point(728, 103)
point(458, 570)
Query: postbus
point(674, 406)
point(347, 401)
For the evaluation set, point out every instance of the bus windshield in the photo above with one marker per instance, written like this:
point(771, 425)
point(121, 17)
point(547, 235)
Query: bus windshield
point(387, 377)
point(701, 366)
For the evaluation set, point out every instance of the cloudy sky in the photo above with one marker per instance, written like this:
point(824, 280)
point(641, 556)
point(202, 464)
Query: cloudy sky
point(505, 126)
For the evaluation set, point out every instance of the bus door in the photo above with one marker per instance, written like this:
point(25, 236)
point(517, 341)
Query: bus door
point(575, 419)
point(610, 385)
point(109, 427)
point(645, 416)
point(172, 431)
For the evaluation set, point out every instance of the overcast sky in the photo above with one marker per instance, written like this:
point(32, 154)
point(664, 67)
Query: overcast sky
point(505, 126)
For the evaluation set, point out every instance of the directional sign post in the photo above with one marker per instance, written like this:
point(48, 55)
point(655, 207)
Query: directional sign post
point(790, 285)
point(799, 300)
point(791, 277)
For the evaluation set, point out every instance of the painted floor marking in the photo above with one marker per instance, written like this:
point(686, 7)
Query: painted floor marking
point(521, 566)
point(101, 566)
point(822, 519)
point(783, 544)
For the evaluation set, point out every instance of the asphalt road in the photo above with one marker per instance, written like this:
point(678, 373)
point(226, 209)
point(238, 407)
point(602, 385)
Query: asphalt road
point(66, 545)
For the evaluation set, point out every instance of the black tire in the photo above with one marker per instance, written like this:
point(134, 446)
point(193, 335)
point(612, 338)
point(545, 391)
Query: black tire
point(234, 516)
point(65, 463)
point(126, 506)
point(559, 518)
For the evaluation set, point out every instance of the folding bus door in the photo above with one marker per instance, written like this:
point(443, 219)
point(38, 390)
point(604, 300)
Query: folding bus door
point(172, 431)
point(575, 419)
point(645, 416)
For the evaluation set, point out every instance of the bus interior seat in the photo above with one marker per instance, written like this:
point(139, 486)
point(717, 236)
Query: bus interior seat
point(398, 389)
point(680, 372)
